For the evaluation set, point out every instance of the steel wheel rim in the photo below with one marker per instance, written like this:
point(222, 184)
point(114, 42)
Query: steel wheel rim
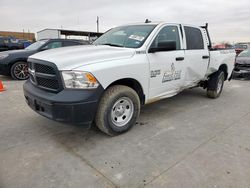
point(122, 111)
point(219, 85)
point(21, 71)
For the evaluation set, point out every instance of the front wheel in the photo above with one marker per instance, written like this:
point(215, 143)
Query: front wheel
point(215, 84)
point(19, 71)
point(118, 110)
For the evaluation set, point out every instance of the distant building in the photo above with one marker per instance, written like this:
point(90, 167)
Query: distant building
point(63, 33)
point(18, 35)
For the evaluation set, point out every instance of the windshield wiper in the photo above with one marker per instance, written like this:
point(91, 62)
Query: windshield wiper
point(110, 44)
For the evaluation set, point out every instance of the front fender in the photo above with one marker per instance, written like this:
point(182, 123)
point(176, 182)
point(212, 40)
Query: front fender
point(136, 68)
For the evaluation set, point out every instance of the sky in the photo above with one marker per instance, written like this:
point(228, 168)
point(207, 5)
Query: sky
point(229, 20)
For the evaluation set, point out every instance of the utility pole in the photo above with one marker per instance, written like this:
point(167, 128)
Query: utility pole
point(97, 24)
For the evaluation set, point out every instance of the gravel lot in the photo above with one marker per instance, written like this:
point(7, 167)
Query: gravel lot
point(185, 141)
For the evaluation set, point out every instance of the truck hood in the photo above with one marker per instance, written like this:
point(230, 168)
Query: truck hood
point(243, 60)
point(69, 58)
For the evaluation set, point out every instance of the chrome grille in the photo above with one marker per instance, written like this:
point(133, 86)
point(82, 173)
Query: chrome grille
point(44, 69)
point(32, 78)
point(47, 83)
point(45, 75)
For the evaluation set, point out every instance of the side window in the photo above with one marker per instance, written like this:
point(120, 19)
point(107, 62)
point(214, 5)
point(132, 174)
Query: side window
point(194, 38)
point(168, 33)
point(70, 43)
point(52, 45)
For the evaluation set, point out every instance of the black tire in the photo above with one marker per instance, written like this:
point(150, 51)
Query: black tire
point(19, 70)
point(108, 109)
point(215, 84)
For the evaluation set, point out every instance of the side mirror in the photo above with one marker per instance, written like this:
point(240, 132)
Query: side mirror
point(163, 46)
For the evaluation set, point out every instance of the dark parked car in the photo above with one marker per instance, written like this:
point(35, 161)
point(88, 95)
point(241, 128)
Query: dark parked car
point(242, 64)
point(2, 44)
point(10, 43)
point(24, 43)
point(14, 63)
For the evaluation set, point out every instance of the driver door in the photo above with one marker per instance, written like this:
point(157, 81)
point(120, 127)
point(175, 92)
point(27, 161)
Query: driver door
point(166, 67)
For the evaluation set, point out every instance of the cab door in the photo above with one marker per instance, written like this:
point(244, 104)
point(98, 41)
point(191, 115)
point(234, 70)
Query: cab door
point(196, 55)
point(166, 67)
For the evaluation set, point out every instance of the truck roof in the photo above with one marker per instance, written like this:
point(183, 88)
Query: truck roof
point(160, 23)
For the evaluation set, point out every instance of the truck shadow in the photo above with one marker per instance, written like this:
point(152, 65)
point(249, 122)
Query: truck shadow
point(74, 137)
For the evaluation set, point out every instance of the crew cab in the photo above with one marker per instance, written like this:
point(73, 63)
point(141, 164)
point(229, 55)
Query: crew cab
point(129, 66)
point(14, 62)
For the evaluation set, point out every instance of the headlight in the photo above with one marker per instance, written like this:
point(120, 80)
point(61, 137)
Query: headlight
point(79, 80)
point(3, 56)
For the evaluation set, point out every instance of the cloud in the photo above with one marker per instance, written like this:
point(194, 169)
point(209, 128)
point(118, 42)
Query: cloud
point(228, 19)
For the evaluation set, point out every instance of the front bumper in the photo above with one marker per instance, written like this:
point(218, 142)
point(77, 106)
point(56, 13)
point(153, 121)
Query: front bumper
point(242, 70)
point(70, 105)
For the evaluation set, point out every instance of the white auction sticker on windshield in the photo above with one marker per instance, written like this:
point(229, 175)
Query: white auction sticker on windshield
point(137, 37)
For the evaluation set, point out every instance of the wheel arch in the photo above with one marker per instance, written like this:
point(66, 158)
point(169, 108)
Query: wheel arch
point(12, 72)
point(15, 61)
point(224, 68)
point(132, 83)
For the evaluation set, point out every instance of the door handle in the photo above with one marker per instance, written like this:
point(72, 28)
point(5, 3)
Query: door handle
point(205, 57)
point(179, 58)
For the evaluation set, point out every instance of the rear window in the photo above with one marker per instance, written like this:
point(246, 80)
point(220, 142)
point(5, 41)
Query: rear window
point(194, 38)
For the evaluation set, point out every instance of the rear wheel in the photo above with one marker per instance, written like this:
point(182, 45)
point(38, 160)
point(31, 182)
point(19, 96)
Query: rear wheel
point(19, 71)
point(118, 110)
point(215, 84)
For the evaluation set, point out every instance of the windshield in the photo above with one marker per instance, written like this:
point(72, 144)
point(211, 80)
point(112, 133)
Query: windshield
point(245, 53)
point(126, 36)
point(36, 45)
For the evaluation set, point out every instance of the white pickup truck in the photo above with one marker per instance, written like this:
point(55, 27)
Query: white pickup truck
point(107, 83)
